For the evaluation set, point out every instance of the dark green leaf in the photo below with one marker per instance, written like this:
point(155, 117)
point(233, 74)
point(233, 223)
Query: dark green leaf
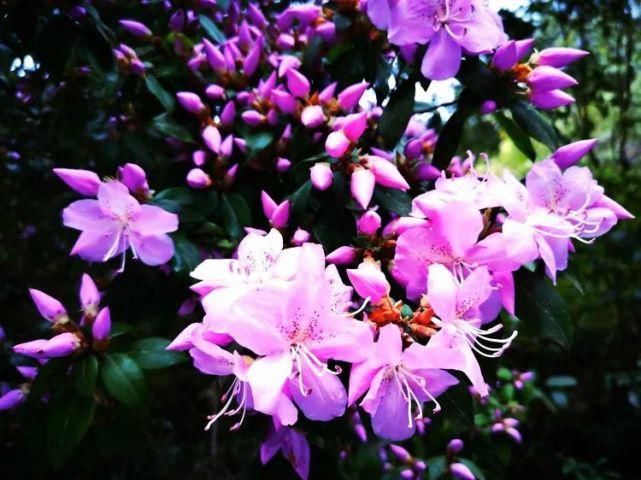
point(397, 113)
point(163, 96)
point(168, 126)
point(151, 353)
point(123, 379)
point(69, 418)
point(236, 214)
point(258, 141)
point(392, 200)
point(118, 329)
point(541, 309)
point(49, 376)
point(85, 375)
point(300, 198)
point(186, 254)
point(518, 136)
point(437, 466)
point(532, 123)
point(211, 29)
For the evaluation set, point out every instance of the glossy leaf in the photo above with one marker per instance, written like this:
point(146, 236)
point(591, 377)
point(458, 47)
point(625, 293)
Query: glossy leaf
point(163, 96)
point(151, 354)
point(85, 375)
point(532, 123)
point(397, 113)
point(124, 379)
point(68, 421)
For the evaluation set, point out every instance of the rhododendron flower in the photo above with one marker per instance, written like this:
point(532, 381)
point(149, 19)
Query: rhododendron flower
point(293, 445)
point(116, 222)
point(451, 27)
point(295, 332)
point(456, 306)
point(398, 383)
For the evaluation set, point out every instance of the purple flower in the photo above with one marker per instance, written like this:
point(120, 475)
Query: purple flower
point(61, 345)
point(101, 327)
point(116, 222)
point(135, 179)
point(191, 102)
point(369, 281)
point(135, 28)
point(84, 182)
point(89, 296)
point(397, 382)
point(321, 176)
point(50, 308)
point(12, 399)
point(293, 446)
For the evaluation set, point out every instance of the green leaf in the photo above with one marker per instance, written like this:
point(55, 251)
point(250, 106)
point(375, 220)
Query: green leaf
point(450, 136)
point(186, 254)
point(541, 309)
point(392, 200)
point(163, 96)
point(258, 141)
point(49, 376)
point(436, 466)
point(168, 126)
point(69, 418)
point(151, 353)
point(236, 214)
point(300, 198)
point(123, 379)
point(119, 328)
point(532, 123)
point(85, 375)
point(211, 29)
point(398, 112)
point(518, 136)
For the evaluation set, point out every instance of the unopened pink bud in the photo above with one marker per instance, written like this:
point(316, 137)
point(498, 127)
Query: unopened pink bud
point(101, 327)
point(488, 106)
point(300, 236)
point(50, 308)
point(215, 92)
point(280, 216)
point(321, 176)
point(342, 256)
point(386, 173)
point(268, 203)
point(455, 445)
point(196, 178)
point(327, 31)
point(12, 399)
point(61, 345)
point(137, 29)
point(362, 187)
point(199, 157)
point(89, 295)
point(191, 102)
point(461, 472)
point(84, 182)
point(350, 97)
point(369, 223)
point(252, 61)
point(297, 83)
point(28, 372)
point(337, 144)
point(255, 15)
point(252, 117)
point(177, 21)
point(327, 93)
point(134, 178)
point(505, 56)
point(215, 57)
point(552, 99)
point(354, 126)
point(546, 78)
point(228, 114)
point(369, 281)
point(402, 224)
point(283, 165)
point(211, 137)
point(312, 116)
point(558, 57)
point(285, 101)
point(569, 155)
point(407, 474)
point(230, 175)
point(523, 47)
point(400, 453)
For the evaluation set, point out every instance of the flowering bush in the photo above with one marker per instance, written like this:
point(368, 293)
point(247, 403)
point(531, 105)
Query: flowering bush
point(349, 265)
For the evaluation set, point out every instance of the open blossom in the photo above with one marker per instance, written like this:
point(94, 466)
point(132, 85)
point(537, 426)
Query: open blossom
point(553, 208)
point(116, 222)
point(295, 332)
point(398, 383)
point(456, 306)
point(452, 28)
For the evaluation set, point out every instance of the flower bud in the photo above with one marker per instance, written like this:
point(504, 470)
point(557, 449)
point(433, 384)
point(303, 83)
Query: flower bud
point(84, 182)
point(253, 118)
point(251, 62)
point(386, 173)
point(211, 137)
point(300, 236)
point(505, 56)
point(89, 296)
point(349, 98)
point(196, 178)
point(558, 57)
point(191, 102)
point(488, 106)
point(407, 474)
point(297, 83)
point(369, 223)
point(455, 446)
point(369, 281)
point(228, 114)
point(101, 327)
point(28, 373)
point(569, 155)
point(312, 116)
point(362, 187)
point(255, 15)
point(50, 308)
point(283, 164)
point(215, 57)
point(327, 93)
point(281, 215)
point(215, 92)
point(354, 125)
point(337, 144)
point(550, 100)
point(177, 21)
point(342, 256)
point(420, 466)
point(134, 178)
point(12, 399)
point(59, 346)
point(400, 453)
point(546, 78)
point(321, 176)
point(461, 472)
point(137, 29)
point(199, 158)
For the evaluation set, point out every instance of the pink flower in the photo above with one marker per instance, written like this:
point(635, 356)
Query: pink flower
point(293, 446)
point(116, 222)
point(397, 382)
point(369, 281)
